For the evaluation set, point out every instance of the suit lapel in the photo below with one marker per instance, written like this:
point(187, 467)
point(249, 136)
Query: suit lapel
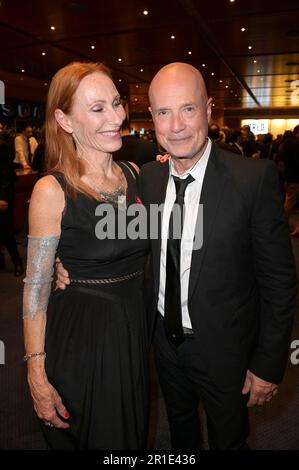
point(213, 184)
point(159, 198)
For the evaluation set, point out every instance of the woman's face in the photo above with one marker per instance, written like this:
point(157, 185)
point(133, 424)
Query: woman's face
point(97, 115)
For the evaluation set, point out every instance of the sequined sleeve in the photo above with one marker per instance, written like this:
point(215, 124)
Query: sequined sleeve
point(39, 274)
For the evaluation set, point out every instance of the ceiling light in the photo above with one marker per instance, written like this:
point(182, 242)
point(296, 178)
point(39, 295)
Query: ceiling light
point(189, 52)
point(231, 1)
point(43, 53)
point(92, 47)
point(172, 37)
point(254, 61)
point(213, 104)
point(137, 86)
point(220, 81)
point(226, 86)
point(45, 84)
point(262, 78)
point(236, 96)
point(212, 73)
point(203, 65)
point(53, 28)
point(141, 70)
point(243, 29)
point(22, 70)
point(120, 80)
point(119, 59)
point(249, 47)
point(145, 12)
point(258, 70)
point(136, 99)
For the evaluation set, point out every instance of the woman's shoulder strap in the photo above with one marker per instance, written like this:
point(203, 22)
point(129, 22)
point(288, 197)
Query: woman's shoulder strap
point(130, 167)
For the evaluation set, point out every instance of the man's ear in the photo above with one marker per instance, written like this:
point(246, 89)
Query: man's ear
point(209, 109)
point(150, 110)
point(64, 121)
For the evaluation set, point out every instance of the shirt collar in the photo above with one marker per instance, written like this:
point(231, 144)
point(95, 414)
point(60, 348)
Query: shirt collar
point(196, 170)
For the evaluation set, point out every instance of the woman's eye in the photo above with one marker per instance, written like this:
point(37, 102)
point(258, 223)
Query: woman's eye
point(98, 110)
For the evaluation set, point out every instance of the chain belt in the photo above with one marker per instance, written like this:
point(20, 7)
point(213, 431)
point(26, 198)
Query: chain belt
point(108, 280)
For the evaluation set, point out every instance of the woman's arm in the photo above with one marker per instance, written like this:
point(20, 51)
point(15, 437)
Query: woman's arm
point(46, 206)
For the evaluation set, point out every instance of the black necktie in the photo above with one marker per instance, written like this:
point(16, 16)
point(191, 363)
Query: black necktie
point(172, 306)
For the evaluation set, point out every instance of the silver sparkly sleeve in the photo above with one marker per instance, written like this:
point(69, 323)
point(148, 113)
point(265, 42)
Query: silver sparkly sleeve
point(39, 274)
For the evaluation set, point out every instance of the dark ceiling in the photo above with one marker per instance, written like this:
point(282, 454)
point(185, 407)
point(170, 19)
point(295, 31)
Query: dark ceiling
point(265, 75)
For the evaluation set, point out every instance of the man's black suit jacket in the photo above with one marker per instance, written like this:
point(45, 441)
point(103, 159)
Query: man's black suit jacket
point(242, 281)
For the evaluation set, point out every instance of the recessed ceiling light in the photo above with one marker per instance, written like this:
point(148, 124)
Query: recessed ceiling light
point(22, 70)
point(213, 104)
point(92, 47)
point(236, 96)
point(249, 47)
point(258, 70)
point(43, 53)
point(141, 70)
point(137, 86)
point(220, 81)
point(212, 73)
point(203, 65)
point(120, 80)
point(45, 84)
point(189, 52)
point(262, 78)
point(145, 12)
point(136, 99)
point(226, 86)
point(231, 1)
point(243, 29)
point(254, 61)
point(53, 28)
point(172, 37)
point(119, 59)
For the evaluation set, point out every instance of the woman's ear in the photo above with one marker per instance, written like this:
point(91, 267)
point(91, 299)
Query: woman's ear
point(64, 121)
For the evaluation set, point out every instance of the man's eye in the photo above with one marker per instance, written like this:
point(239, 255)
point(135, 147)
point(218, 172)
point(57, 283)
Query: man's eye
point(98, 110)
point(189, 109)
point(117, 103)
point(162, 113)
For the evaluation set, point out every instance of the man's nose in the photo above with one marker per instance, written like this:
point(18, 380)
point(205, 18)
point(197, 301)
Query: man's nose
point(177, 123)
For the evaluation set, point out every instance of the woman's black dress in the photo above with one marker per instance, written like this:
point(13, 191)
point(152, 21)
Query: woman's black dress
point(96, 335)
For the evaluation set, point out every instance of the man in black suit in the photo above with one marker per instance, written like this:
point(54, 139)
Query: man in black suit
point(221, 309)
point(236, 291)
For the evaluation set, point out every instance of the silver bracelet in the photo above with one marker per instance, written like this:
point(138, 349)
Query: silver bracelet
point(29, 356)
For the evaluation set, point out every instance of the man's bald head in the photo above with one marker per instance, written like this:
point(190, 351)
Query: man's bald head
point(177, 71)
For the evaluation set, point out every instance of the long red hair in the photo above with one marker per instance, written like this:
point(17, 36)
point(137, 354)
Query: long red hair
point(61, 153)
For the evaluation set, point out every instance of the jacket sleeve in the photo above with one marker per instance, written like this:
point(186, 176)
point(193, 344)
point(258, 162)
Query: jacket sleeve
point(276, 278)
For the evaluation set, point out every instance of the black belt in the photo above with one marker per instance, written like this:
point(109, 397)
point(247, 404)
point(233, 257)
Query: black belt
point(107, 280)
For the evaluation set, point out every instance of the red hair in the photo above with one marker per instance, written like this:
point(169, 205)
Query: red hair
point(61, 153)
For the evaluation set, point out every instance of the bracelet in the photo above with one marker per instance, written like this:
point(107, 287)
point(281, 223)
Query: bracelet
point(29, 356)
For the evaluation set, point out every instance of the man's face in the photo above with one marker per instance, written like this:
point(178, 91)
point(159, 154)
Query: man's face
point(181, 113)
point(28, 132)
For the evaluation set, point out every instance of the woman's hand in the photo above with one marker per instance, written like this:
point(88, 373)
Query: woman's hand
point(47, 402)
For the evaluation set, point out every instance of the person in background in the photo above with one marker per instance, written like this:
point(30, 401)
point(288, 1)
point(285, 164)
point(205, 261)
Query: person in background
point(7, 181)
point(25, 145)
